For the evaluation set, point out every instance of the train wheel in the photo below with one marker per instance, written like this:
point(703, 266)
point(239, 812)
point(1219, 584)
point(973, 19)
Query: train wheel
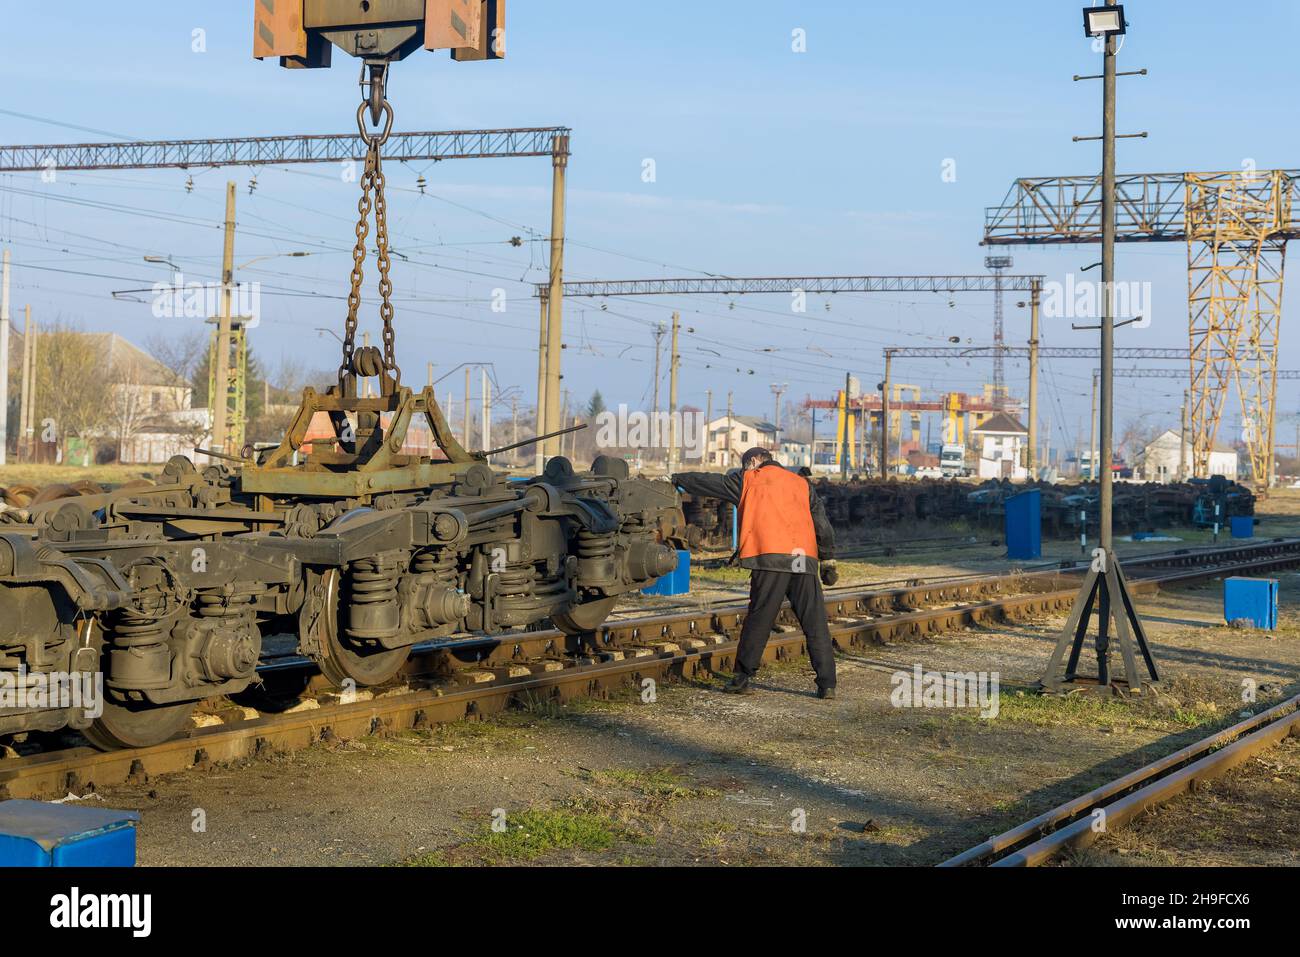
point(584, 618)
point(341, 660)
point(121, 726)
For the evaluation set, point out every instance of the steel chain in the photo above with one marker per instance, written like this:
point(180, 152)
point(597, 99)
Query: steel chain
point(372, 182)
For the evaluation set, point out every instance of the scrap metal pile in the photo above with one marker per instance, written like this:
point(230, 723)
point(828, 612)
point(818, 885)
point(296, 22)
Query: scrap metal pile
point(859, 510)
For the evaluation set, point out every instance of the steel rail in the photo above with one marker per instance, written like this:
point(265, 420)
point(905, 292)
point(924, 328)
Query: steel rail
point(1071, 824)
point(494, 673)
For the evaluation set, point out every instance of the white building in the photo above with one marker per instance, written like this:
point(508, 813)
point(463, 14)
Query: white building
point(730, 436)
point(794, 454)
point(999, 444)
point(1163, 458)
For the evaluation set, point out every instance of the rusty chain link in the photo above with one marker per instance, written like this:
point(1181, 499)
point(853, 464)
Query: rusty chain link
point(372, 184)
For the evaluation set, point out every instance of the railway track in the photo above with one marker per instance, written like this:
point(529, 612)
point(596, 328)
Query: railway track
point(477, 676)
point(1081, 821)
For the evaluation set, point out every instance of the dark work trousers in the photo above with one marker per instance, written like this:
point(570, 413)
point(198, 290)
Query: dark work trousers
point(767, 590)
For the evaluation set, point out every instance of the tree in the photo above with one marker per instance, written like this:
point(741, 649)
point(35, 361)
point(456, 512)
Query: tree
point(595, 406)
point(73, 395)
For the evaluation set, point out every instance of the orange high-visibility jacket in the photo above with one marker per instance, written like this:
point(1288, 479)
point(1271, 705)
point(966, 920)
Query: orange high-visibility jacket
point(776, 522)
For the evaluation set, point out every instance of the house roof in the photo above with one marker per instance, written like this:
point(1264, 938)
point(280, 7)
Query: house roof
point(753, 421)
point(1002, 423)
point(124, 357)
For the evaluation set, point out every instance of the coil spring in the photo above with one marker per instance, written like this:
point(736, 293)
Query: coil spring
point(516, 581)
point(216, 605)
point(373, 580)
point(436, 561)
point(134, 629)
point(592, 545)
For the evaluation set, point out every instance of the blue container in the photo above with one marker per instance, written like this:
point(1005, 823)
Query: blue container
point(1024, 525)
point(1243, 526)
point(36, 834)
point(676, 582)
point(1254, 599)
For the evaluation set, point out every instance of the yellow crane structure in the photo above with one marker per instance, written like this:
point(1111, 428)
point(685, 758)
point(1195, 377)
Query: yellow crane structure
point(1235, 225)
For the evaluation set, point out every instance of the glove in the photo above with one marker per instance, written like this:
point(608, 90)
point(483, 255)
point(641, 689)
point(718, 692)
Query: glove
point(828, 572)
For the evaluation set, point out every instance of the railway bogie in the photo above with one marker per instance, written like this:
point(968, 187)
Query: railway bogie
point(149, 600)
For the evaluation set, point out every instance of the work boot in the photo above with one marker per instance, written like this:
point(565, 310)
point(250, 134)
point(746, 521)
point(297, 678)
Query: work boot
point(739, 684)
point(826, 693)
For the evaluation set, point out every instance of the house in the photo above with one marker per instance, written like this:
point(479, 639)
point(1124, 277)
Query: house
point(1000, 442)
point(1168, 455)
point(729, 436)
point(794, 454)
point(158, 437)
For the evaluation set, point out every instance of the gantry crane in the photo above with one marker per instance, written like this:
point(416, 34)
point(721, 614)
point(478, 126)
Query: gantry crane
point(1236, 225)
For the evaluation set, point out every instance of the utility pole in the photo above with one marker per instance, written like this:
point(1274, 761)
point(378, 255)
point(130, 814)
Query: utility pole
point(654, 408)
point(430, 375)
point(514, 426)
point(555, 295)
point(1092, 435)
point(884, 417)
point(1104, 587)
point(486, 414)
point(708, 422)
point(4, 360)
point(674, 363)
point(1035, 297)
point(777, 392)
point(728, 465)
point(846, 427)
point(539, 451)
point(220, 398)
point(466, 441)
point(27, 400)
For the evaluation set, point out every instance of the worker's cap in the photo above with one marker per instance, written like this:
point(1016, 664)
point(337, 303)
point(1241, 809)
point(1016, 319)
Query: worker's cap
point(753, 455)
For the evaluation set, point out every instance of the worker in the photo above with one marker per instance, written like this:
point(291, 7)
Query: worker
point(787, 544)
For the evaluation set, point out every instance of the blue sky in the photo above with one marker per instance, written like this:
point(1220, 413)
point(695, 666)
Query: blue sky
point(768, 162)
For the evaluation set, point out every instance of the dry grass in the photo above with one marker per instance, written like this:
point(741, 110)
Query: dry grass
point(41, 475)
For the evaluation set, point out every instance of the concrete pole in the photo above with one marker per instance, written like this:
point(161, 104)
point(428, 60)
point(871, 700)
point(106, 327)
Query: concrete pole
point(1092, 434)
point(430, 375)
point(884, 417)
point(1107, 404)
point(708, 425)
point(221, 377)
point(514, 426)
point(486, 407)
point(29, 390)
point(4, 360)
point(539, 450)
point(674, 361)
point(728, 464)
point(1035, 290)
point(25, 396)
point(466, 439)
point(846, 427)
point(654, 406)
point(555, 295)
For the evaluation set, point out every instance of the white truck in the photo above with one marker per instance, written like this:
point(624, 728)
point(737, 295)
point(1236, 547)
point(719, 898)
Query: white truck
point(952, 461)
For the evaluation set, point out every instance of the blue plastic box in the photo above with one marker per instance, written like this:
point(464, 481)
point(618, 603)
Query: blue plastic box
point(36, 834)
point(1024, 525)
point(1243, 526)
point(1254, 599)
point(676, 582)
